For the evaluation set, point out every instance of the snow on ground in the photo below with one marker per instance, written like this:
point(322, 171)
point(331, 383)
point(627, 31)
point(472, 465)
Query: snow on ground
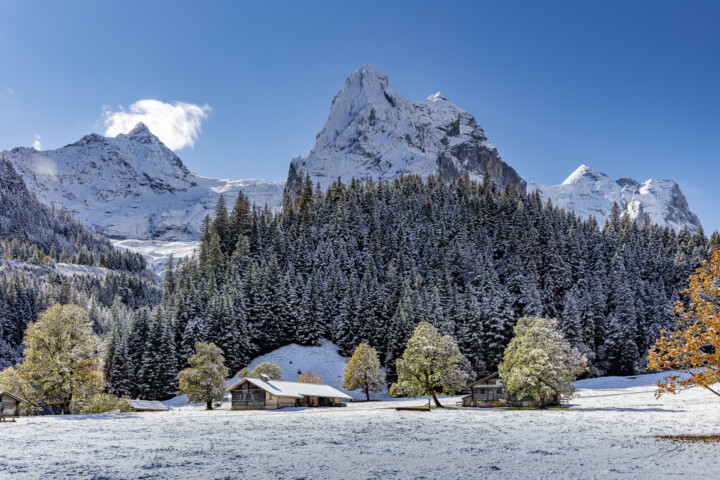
point(156, 252)
point(61, 268)
point(599, 435)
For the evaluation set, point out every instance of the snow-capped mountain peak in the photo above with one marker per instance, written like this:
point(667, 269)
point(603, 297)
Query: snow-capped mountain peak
point(585, 174)
point(374, 132)
point(437, 97)
point(131, 186)
point(589, 192)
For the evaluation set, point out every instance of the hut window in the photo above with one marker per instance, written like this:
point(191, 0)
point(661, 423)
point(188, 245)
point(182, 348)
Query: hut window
point(499, 390)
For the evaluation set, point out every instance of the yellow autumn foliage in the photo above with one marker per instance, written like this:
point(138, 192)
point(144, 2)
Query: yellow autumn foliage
point(694, 346)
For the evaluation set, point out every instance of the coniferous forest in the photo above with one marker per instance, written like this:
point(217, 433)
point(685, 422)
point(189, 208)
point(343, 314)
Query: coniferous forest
point(366, 262)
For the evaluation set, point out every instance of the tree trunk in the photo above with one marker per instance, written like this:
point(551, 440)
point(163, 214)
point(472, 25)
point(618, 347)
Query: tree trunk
point(66, 408)
point(435, 399)
point(367, 394)
point(209, 405)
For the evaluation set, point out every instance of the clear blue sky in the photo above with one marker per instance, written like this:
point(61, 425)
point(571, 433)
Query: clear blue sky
point(629, 88)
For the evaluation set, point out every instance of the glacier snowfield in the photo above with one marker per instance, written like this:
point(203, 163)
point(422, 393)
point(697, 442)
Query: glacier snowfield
point(606, 432)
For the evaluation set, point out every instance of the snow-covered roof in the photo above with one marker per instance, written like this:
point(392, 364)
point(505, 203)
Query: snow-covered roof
point(484, 379)
point(293, 389)
point(5, 392)
point(148, 405)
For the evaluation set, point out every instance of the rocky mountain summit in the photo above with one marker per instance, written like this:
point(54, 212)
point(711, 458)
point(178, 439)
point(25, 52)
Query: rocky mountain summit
point(374, 132)
point(588, 193)
point(131, 186)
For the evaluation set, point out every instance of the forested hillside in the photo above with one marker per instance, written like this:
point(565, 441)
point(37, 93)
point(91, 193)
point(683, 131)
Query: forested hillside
point(40, 248)
point(368, 261)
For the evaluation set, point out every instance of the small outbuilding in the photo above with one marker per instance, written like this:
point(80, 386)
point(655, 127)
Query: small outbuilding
point(147, 406)
point(9, 406)
point(266, 394)
point(490, 392)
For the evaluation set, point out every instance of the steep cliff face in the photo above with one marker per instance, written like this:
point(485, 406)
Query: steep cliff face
point(588, 193)
point(131, 186)
point(374, 132)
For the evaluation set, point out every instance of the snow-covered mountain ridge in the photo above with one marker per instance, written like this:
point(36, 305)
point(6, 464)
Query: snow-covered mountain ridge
point(588, 193)
point(374, 132)
point(131, 186)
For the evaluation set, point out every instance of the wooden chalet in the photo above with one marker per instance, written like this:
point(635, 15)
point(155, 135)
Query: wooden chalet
point(9, 406)
point(266, 394)
point(490, 392)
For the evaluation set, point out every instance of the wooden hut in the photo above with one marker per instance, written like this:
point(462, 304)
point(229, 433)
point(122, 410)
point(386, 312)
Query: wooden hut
point(490, 392)
point(266, 394)
point(9, 406)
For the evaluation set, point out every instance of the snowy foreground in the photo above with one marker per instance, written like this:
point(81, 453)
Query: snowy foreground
point(604, 433)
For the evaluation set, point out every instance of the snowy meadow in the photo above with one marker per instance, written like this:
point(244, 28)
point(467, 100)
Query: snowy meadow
point(607, 431)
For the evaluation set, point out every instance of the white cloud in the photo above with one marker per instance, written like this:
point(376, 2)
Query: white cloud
point(37, 144)
point(9, 91)
point(176, 124)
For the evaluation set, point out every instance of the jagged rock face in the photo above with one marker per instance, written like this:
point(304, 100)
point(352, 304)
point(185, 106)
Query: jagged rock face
point(591, 193)
point(374, 132)
point(131, 186)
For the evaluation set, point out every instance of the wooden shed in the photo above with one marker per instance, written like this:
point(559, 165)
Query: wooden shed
point(490, 392)
point(9, 406)
point(266, 394)
point(147, 406)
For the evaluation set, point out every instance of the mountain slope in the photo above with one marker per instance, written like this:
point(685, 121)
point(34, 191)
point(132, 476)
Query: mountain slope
point(374, 132)
point(588, 193)
point(131, 186)
point(24, 218)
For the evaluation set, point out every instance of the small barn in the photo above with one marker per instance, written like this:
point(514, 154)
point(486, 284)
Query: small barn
point(490, 392)
point(266, 394)
point(147, 406)
point(9, 406)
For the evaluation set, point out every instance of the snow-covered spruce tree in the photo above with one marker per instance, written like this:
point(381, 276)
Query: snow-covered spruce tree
point(539, 363)
point(621, 350)
point(403, 325)
point(362, 371)
point(431, 363)
point(204, 379)
point(158, 368)
point(359, 246)
point(118, 370)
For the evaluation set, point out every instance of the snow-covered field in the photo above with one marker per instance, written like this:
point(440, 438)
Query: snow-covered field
point(604, 433)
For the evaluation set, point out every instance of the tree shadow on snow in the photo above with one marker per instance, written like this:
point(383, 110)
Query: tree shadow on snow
point(627, 409)
point(97, 416)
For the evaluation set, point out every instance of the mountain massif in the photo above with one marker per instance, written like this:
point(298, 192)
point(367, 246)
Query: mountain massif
point(374, 132)
point(135, 190)
point(130, 186)
point(590, 193)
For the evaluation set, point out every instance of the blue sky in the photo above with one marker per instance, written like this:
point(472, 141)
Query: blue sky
point(629, 88)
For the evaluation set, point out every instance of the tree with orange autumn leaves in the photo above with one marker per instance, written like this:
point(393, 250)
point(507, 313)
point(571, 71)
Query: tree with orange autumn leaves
point(694, 347)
